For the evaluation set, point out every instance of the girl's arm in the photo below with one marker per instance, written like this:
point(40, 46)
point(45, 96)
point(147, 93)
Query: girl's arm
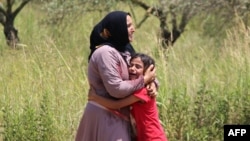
point(112, 104)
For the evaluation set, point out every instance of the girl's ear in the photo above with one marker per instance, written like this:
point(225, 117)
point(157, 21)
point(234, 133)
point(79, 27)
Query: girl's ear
point(105, 34)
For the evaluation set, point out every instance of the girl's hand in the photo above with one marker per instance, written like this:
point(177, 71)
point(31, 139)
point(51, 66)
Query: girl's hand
point(91, 95)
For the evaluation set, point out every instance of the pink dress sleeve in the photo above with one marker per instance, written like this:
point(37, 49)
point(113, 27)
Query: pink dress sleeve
point(113, 71)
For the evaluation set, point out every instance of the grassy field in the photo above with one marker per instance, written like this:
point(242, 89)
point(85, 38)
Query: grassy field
point(43, 84)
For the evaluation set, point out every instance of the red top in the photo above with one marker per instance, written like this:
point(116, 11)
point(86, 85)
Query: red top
point(146, 116)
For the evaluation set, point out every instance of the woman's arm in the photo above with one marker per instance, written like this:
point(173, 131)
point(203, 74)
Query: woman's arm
point(152, 88)
point(149, 75)
point(113, 72)
point(153, 85)
point(112, 104)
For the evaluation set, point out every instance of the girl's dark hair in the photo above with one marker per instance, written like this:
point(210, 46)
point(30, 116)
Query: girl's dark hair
point(146, 60)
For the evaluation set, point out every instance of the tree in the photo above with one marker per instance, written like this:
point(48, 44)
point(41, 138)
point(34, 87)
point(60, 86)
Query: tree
point(174, 15)
point(7, 18)
point(65, 10)
point(168, 12)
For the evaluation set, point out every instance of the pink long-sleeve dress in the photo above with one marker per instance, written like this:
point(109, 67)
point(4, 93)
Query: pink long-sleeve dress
point(108, 75)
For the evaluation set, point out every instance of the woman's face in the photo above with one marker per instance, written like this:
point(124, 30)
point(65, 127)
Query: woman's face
point(131, 28)
point(135, 68)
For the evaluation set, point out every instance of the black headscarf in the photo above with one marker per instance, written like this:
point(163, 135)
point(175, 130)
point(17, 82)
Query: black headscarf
point(116, 23)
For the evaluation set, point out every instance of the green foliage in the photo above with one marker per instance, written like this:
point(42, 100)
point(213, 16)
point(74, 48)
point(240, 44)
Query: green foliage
point(31, 123)
point(204, 87)
point(59, 11)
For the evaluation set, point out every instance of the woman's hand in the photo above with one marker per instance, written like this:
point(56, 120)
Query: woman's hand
point(149, 75)
point(152, 89)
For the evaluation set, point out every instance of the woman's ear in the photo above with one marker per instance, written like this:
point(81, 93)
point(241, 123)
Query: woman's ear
point(105, 34)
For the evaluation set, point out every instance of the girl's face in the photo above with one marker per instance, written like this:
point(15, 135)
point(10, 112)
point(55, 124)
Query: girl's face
point(136, 68)
point(131, 28)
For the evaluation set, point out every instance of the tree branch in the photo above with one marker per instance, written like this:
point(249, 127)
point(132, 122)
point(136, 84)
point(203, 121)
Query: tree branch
point(20, 7)
point(147, 14)
point(2, 14)
point(140, 3)
point(149, 10)
point(9, 6)
point(2, 10)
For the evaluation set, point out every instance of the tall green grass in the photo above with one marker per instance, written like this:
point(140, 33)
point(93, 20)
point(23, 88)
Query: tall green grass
point(205, 86)
point(44, 85)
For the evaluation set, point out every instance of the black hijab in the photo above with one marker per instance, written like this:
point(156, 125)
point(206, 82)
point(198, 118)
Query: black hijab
point(116, 23)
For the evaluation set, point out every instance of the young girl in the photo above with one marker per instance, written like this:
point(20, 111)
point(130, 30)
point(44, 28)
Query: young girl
point(143, 107)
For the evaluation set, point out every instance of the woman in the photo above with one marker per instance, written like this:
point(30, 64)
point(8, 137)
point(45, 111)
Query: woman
point(147, 126)
point(108, 76)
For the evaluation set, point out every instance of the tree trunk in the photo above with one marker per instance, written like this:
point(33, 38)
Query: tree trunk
point(7, 17)
point(11, 35)
point(169, 38)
